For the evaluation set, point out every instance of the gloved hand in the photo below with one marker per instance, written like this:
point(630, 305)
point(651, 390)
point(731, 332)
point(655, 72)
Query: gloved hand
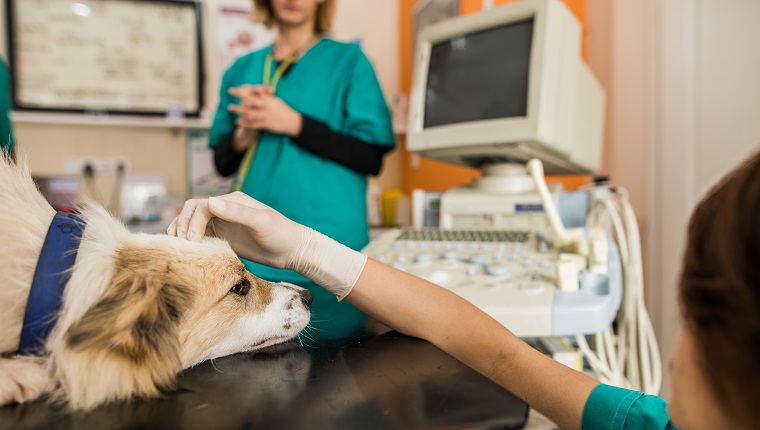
point(258, 233)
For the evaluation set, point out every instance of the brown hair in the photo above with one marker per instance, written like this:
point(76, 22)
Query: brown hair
point(264, 13)
point(720, 289)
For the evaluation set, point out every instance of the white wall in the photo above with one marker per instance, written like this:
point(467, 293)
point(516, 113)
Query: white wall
point(375, 22)
point(683, 109)
point(707, 107)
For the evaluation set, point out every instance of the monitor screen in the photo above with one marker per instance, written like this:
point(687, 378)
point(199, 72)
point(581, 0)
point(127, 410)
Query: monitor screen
point(479, 76)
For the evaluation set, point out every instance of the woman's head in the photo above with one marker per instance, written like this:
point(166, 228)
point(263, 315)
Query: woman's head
point(719, 349)
point(274, 13)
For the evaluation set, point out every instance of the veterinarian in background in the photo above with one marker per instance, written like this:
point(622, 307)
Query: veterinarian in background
point(716, 367)
point(7, 141)
point(301, 124)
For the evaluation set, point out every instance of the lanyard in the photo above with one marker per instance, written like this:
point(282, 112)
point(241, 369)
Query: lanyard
point(269, 81)
point(272, 81)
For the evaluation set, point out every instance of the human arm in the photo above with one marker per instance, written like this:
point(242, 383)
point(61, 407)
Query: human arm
point(348, 151)
point(227, 159)
point(260, 109)
point(404, 302)
point(362, 134)
point(421, 309)
point(228, 141)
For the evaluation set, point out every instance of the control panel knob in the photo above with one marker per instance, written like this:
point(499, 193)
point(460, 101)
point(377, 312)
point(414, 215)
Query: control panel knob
point(439, 277)
point(496, 270)
point(399, 264)
point(423, 258)
point(472, 270)
point(450, 255)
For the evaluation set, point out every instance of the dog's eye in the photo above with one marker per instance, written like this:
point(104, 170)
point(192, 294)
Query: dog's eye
point(241, 288)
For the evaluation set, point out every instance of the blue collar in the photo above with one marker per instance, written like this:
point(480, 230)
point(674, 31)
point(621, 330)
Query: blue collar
point(59, 251)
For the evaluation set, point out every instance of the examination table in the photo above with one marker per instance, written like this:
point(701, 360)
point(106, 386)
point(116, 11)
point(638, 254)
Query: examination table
point(386, 381)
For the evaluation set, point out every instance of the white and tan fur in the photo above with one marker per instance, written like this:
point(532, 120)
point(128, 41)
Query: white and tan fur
point(137, 309)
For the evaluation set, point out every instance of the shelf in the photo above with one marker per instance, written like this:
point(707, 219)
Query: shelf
point(109, 120)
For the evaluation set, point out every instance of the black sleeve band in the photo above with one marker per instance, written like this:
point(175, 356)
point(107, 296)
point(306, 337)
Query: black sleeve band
point(226, 158)
point(348, 151)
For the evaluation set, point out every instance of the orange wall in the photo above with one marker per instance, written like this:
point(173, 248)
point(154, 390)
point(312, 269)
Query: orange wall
point(420, 172)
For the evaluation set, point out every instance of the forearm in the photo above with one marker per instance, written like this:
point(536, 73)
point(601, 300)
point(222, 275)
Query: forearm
point(418, 308)
point(226, 158)
point(229, 154)
point(356, 154)
point(242, 138)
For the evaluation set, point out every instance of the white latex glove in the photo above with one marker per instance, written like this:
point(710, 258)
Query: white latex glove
point(259, 233)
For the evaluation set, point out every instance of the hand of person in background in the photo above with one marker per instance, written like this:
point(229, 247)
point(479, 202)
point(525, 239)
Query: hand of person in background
point(244, 134)
point(258, 233)
point(260, 109)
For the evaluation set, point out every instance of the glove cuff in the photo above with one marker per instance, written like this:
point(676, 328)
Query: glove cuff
point(328, 263)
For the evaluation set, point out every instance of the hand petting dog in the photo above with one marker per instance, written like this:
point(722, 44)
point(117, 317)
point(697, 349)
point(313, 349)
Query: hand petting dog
point(259, 233)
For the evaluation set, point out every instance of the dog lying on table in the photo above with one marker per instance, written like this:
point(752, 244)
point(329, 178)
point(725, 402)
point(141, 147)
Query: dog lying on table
point(94, 314)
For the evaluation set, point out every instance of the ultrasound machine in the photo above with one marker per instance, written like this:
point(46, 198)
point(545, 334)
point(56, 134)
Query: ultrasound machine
point(494, 91)
point(508, 92)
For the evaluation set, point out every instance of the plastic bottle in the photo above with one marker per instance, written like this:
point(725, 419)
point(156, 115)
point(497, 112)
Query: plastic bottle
point(374, 214)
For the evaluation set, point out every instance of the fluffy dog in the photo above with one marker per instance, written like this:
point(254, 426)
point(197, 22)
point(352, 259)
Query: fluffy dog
point(136, 310)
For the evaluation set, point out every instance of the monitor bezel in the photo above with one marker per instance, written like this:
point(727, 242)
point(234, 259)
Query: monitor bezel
point(512, 129)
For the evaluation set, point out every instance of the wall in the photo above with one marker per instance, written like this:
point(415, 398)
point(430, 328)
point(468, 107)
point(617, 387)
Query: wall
point(376, 23)
point(707, 104)
point(683, 103)
point(162, 151)
point(620, 42)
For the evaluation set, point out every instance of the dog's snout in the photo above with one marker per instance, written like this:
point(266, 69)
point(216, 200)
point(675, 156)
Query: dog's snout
point(306, 297)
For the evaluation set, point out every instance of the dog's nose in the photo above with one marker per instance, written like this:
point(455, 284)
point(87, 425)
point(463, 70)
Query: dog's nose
point(306, 297)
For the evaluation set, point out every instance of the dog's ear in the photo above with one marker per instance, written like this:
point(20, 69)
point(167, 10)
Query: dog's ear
point(130, 337)
point(136, 319)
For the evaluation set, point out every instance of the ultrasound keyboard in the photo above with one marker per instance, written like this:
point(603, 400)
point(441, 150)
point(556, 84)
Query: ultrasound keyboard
point(511, 275)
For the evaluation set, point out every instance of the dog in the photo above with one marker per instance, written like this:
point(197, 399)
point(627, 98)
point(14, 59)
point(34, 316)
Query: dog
point(136, 309)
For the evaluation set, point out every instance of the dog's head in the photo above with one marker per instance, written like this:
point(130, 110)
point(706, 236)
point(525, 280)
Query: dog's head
point(148, 306)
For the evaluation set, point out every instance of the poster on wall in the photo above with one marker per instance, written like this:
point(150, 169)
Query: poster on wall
point(238, 35)
point(202, 177)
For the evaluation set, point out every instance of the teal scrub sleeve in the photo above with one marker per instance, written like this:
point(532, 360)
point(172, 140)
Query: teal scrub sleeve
point(224, 122)
point(613, 408)
point(368, 117)
point(7, 141)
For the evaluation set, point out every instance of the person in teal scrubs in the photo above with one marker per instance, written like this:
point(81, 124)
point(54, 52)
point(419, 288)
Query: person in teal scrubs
point(301, 124)
point(716, 366)
point(7, 141)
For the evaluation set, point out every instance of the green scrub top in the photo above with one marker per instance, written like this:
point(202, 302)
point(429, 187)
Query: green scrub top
point(7, 142)
point(613, 408)
point(333, 82)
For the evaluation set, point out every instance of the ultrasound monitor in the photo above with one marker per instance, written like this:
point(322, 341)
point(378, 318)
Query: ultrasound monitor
point(506, 85)
point(467, 83)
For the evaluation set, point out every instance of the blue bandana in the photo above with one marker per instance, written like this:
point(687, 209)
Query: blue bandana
point(59, 251)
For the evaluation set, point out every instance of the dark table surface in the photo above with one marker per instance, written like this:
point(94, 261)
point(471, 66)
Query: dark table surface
point(386, 381)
